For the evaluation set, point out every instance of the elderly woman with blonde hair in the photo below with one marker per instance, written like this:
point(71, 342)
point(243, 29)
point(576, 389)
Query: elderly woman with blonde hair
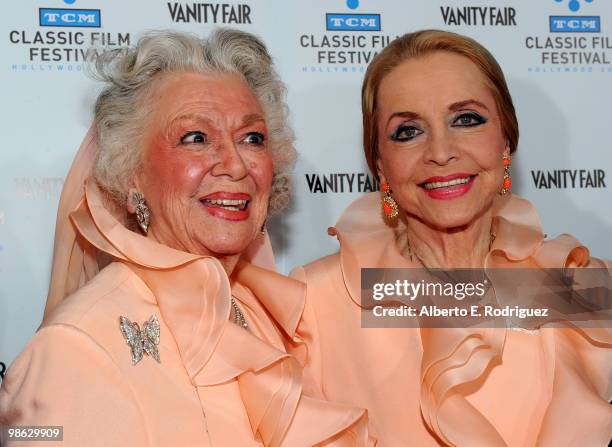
point(148, 337)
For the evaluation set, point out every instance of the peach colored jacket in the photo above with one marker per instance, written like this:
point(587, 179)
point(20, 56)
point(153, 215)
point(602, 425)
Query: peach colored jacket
point(464, 387)
point(217, 383)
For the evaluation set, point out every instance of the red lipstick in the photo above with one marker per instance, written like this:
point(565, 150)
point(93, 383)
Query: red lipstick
point(233, 206)
point(433, 189)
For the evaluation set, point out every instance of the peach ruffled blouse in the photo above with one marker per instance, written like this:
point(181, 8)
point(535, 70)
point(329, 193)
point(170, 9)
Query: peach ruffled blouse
point(216, 383)
point(457, 387)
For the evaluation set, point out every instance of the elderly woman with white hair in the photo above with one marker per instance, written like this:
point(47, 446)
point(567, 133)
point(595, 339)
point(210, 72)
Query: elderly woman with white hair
point(148, 337)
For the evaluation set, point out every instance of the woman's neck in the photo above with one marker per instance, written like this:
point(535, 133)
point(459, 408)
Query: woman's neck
point(463, 247)
point(228, 261)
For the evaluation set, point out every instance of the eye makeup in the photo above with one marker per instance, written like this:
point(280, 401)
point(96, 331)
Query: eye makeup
point(468, 119)
point(405, 132)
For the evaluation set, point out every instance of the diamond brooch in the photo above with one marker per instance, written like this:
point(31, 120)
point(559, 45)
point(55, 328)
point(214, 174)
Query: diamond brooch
point(143, 340)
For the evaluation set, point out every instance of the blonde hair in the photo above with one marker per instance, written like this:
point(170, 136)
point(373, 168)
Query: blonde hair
point(419, 44)
point(121, 110)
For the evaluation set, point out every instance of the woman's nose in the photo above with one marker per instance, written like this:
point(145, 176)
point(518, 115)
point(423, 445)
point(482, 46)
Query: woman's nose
point(441, 149)
point(230, 161)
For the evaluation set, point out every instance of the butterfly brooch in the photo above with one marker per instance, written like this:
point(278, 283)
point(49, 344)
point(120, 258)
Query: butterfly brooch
point(141, 340)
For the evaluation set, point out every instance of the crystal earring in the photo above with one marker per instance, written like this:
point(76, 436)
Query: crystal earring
point(143, 214)
point(389, 205)
point(507, 179)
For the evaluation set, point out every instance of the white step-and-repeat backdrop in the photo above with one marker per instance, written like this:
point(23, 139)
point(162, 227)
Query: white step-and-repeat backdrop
point(557, 56)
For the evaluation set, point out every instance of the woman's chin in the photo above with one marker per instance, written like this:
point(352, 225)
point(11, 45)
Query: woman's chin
point(450, 221)
point(449, 215)
point(227, 247)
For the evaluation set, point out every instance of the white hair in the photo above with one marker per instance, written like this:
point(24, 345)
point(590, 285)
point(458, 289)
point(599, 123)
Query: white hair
point(121, 108)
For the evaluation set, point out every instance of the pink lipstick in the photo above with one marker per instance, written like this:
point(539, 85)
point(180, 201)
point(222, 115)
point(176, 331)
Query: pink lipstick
point(449, 186)
point(233, 206)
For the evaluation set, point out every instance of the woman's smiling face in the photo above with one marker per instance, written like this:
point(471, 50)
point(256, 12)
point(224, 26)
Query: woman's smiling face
point(441, 143)
point(206, 171)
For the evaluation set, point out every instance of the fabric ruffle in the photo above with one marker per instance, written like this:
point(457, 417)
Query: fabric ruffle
point(578, 370)
point(193, 294)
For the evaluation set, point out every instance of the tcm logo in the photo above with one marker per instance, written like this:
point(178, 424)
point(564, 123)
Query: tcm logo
point(575, 24)
point(574, 5)
point(76, 18)
point(352, 22)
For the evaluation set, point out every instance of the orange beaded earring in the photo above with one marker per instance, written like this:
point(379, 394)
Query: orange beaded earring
point(389, 205)
point(507, 179)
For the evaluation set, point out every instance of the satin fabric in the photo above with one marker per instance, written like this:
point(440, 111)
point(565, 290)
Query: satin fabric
point(217, 383)
point(460, 387)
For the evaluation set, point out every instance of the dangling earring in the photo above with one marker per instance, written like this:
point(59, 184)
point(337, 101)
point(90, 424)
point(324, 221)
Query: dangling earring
point(143, 215)
point(507, 179)
point(263, 226)
point(389, 205)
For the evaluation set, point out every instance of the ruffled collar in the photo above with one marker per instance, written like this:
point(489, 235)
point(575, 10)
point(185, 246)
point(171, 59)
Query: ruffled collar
point(455, 356)
point(366, 240)
point(193, 294)
point(195, 320)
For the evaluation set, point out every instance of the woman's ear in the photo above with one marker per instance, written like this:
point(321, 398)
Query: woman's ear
point(380, 170)
point(132, 200)
point(134, 192)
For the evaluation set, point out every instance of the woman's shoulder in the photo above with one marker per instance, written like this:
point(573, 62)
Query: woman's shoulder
point(80, 348)
point(566, 250)
point(319, 269)
point(520, 237)
point(326, 281)
point(114, 290)
point(64, 377)
point(89, 319)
